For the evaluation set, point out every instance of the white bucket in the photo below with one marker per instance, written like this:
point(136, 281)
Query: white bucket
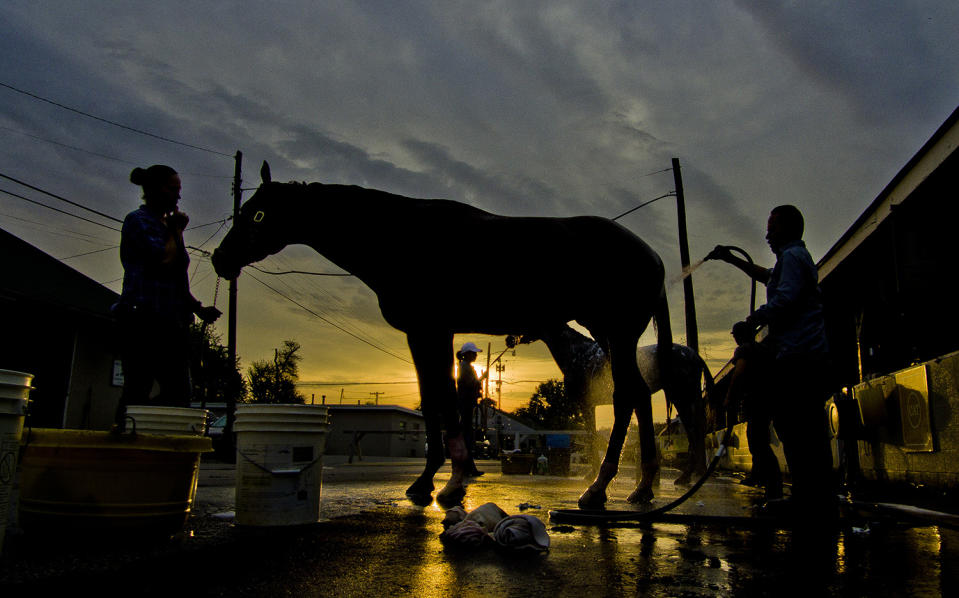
point(15, 378)
point(168, 420)
point(279, 463)
point(14, 390)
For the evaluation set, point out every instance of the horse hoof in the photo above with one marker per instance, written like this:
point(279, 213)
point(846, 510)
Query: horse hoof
point(592, 500)
point(420, 500)
point(451, 495)
point(683, 479)
point(640, 496)
point(420, 487)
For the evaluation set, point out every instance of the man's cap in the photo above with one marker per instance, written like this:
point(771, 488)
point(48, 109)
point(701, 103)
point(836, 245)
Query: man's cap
point(470, 348)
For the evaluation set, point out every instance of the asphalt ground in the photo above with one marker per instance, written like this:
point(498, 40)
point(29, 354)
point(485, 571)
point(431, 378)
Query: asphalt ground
point(373, 542)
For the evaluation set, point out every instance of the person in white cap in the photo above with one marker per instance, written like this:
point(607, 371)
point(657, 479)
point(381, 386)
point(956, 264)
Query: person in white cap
point(468, 392)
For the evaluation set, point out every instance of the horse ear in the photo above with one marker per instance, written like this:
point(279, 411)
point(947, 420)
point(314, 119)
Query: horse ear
point(265, 172)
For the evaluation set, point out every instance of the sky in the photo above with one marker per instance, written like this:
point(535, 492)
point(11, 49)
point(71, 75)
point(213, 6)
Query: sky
point(557, 108)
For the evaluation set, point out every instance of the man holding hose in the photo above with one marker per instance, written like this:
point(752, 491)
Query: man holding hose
point(799, 369)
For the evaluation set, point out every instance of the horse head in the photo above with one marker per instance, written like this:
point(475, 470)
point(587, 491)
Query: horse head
point(261, 229)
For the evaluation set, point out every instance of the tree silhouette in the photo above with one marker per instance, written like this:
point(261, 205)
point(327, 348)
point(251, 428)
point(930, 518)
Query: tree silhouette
point(215, 379)
point(550, 408)
point(275, 381)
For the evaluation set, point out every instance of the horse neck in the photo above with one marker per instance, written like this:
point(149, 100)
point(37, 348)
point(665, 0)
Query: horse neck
point(341, 223)
point(571, 350)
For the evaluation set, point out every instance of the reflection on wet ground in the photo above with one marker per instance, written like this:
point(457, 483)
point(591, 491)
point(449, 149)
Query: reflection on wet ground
point(671, 559)
point(374, 542)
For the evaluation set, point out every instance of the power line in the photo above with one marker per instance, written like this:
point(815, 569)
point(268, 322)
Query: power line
point(220, 222)
point(70, 257)
point(670, 194)
point(301, 306)
point(114, 123)
point(55, 196)
point(104, 156)
point(658, 171)
point(307, 286)
point(206, 253)
point(58, 210)
point(300, 272)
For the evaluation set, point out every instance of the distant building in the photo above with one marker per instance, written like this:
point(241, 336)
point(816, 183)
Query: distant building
point(376, 430)
point(56, 325)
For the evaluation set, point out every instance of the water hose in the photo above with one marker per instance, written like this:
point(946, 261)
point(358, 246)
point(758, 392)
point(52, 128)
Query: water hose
point(603, 515)
point(712, 256)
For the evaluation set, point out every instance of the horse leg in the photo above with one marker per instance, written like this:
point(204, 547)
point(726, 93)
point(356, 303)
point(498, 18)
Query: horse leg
point(682, 401)
point(629, 392)
point(595, 495)
point(433, 358)
point(628, 382)
point(589, 418)
point(421, 491)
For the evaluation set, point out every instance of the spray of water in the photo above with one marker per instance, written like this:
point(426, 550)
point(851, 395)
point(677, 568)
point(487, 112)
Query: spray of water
point(686, 273)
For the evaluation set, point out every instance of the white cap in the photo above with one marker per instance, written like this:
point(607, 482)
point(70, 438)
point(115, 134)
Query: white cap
point(470, 348)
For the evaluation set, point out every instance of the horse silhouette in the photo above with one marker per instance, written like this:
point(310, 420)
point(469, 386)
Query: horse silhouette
point(588, 382)
point(407, 251)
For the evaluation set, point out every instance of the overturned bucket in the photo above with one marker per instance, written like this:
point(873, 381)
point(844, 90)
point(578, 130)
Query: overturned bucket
point(14, 392)
point(107, 483)
point(279, 463)
point(150, 419)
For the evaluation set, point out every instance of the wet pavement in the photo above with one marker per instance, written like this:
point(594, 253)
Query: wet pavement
point(374, 542)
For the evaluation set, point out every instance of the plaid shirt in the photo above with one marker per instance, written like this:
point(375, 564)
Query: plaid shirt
point(151, 287)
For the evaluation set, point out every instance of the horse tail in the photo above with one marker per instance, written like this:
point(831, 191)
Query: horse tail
point(708, 382)
point(664, 343)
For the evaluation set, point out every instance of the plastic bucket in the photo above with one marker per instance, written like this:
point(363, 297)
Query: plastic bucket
point(15, 378)
point(150, 419)
point(105, 483)
point(11, 426)
point(279, 463)
point(14, 391)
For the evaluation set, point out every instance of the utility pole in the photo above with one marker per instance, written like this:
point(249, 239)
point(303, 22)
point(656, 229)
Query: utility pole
point(489, 348)
point(692, 331)
point(500, 368)
point(376, 396)
point(231, 316)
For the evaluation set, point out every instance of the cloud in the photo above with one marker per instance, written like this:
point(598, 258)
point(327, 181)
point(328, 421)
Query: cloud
point(534, 108)
point(873, 55)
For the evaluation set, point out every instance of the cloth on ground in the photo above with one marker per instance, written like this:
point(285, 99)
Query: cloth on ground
point(489, 524)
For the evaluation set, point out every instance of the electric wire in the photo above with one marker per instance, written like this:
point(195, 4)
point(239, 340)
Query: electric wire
point(334, 304)
point(58, 210)
point(262, 271)
point(63, 199)
point(658, 171)
point(51, 228)
point(110, 122)
point(301, 306)
point(70, 257)
point(646, 203)
point(336, 310)
point(295, 290)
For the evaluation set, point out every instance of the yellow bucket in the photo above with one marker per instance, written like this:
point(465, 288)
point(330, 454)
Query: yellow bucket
point(80, 480)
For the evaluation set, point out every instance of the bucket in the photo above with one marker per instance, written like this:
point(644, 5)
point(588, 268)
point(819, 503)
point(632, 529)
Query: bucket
point(151, 419)
point(103, 483)
point(14, 391)
point(279, 463)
